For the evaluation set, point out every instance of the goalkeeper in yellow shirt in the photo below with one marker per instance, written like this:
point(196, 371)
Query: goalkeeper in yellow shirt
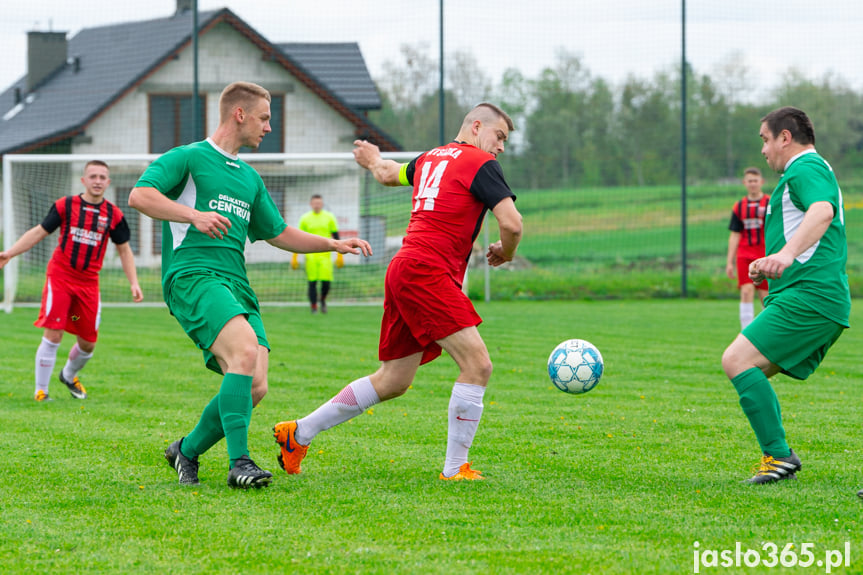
point(319, 267)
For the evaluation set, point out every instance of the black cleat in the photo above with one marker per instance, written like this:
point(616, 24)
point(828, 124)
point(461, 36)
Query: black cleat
point(246, 474)
point(187, 469)
point(774, 469)
point(75, 388)
point(323, 307)
point(860, 494)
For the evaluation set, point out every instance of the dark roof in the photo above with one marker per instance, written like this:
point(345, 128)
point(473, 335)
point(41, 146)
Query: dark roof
point(114, 60)
point(341, 68)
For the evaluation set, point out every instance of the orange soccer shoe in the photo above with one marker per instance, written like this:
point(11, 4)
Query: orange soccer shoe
point(464, 473)
point(291, 453)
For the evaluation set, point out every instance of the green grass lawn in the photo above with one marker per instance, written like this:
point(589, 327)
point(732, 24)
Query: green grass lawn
point(621, 480)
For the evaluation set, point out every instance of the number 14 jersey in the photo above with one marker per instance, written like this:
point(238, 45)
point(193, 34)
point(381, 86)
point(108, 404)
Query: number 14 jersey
point(453, 185)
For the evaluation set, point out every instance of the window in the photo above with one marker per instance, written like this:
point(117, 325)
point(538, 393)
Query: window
point(171, 121)
point(274, 142)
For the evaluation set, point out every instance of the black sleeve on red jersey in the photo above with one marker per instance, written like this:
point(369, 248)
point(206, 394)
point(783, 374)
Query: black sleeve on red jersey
point(121, 234)
point(52, 220)
point(736, 224)
point(488, 185)
point(411, 169)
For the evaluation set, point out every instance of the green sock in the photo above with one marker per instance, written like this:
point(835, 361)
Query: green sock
point(235, 408)
point(761, 406)
point(206, 434)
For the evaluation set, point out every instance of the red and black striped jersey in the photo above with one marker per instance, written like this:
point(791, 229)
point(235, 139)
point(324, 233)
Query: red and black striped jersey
point(84, 232)
point(747, 218)
point(454, 185)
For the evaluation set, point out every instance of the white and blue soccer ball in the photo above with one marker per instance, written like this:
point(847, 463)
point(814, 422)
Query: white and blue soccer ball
point(575, 366)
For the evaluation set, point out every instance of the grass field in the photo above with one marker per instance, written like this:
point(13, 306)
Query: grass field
point(622, 480)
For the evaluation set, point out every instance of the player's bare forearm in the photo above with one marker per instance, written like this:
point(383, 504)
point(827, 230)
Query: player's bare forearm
point(27, 240)
point(368, 156)
point(509, 222)
point(298, 241)
point(816, 221)
point(151, 202)
point(733, 245)
point(127, 261)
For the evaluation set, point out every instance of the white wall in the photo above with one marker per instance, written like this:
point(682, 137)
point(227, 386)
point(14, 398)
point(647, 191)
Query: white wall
point(225, 56)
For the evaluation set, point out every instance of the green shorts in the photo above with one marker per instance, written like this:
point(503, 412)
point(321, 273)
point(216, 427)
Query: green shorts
point(793, 336)
point(203, 302)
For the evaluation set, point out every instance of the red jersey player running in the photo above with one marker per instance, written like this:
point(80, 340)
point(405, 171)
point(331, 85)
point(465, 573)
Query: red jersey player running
point(746, 242)
point(70, 300)
point(424, 307)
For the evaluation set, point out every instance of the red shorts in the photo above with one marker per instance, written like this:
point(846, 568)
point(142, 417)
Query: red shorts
point(422, 304)
point(71, 306)
point(743, 271)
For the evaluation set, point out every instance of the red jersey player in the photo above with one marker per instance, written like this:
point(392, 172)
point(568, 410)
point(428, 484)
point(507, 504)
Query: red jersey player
point(746, 242)
point(424, 308)
point(70, 300)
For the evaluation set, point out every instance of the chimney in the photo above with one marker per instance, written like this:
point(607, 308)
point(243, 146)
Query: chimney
point(184, 6)
point(46, 52)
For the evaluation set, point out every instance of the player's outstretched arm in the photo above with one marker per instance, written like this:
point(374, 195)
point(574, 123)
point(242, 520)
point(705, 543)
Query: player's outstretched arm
point(816, 221)
point(151, 202)
point(369, 157)
point(127, 260)
point(298, 241)
point(27, 240)
point(509, 222)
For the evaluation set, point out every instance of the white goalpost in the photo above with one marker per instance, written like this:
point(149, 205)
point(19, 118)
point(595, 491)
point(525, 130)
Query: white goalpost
point(363, 208)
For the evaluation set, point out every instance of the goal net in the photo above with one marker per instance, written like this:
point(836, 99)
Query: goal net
point(363, 208)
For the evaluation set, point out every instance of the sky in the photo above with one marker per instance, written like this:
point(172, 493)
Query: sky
point(614, 38)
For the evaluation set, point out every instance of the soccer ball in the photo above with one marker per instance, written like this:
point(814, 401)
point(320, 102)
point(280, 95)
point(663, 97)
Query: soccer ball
point(575, 366)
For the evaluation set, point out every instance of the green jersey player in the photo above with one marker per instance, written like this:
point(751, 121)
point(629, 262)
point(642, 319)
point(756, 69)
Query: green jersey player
point(211, 202)
point(809, 302)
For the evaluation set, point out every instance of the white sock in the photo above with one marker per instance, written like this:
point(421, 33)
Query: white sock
point(350, 402)
point(747, 312)
point(46, 356)
point(465, 411)
point(76, 362)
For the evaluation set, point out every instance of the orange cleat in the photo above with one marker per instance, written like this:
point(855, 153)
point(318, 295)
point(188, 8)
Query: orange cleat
point(464, 473)
point(42, 396)
point(292, 453)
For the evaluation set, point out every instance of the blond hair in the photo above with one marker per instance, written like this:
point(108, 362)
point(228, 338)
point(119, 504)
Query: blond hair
point(487, 113)
point(240, 94)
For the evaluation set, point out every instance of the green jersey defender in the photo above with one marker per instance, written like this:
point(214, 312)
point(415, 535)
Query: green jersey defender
point(818, 275)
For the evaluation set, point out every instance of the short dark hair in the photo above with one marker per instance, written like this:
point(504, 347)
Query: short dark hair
point(96, 163)
point(794, 120)
point(752, 170)
point(316, 197)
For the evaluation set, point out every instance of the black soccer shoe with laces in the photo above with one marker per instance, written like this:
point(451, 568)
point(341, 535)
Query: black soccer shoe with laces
point(246, 474)
point(187, 469)
point(774, 469)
